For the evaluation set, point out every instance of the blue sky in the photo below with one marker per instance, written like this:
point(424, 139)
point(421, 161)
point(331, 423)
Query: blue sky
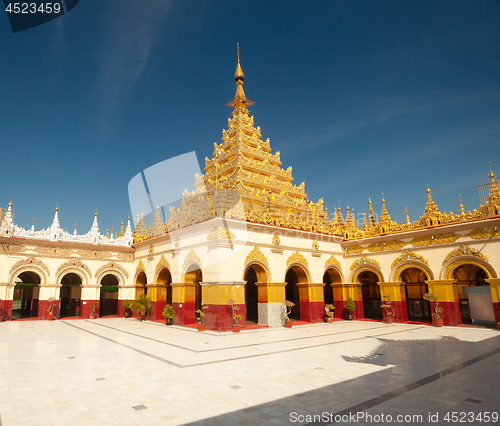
point(360, 97)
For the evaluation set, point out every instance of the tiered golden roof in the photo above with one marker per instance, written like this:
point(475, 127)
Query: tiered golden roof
point(244, 180)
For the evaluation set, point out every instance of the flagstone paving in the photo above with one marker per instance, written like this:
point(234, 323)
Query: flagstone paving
point(127, 372)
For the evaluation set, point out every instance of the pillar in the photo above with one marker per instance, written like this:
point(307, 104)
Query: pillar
point(47, 291)
point(312, 303)
point(125, 292)
point(271, 304)
point(447, 295)
point(338, 300)
point(396, 291)
point(217, 296)
point(158, 295)
point(342, 294)
point(495, 296)
point(184, 303)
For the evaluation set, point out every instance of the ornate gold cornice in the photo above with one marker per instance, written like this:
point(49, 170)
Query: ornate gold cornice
point(384, 246)
point(484, 233)
point(430, 240)
point(464, 250)
point(276, 240)
point(256, 254)
point(162, 262)
point(354, 249)
point(297, 257)
point(363, 262)
point(221, 233)
point(111, 266)
point(140, 266)
point(13, 248)
point(408, 255)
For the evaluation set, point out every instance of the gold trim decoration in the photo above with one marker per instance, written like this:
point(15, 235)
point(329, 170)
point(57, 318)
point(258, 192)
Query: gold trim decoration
point(297, 257)
point(94, 254)
point(256, 254)
point(192, 256)
point(140, 266)
point(70, 263)
point(176, 243)
point(151, 249)
point(125, 256)
point(54, 251)
point(276, 240)
point(459, 262)
point(483, 234)
point(221, 233)
point(464, 250)
point(113, 266)
point(27, 262)
point(409, 255)
point(162, 262)
point(315, 245)
point(331, 261)
point(364, 261)
point(13, 248)
point(390, 245)
point(354, 249)
point(430, 240)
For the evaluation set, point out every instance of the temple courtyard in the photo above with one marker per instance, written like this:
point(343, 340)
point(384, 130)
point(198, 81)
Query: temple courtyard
point(126, 372)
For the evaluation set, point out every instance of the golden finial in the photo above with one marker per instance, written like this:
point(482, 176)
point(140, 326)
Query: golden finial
point(492, 175)
point(57, 207)
point(75, 225)
point(121, 230)
point(10, 202)
point(107, 233)
point(407, 216)
point(95, 214)
point(33, 223)
point(238, 75)
point(462, 211)
point(129, 216)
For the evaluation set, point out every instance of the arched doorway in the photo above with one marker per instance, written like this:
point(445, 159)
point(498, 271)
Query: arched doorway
point(255, 273)
point(194, 275)
point(108, 300)
point(26, 295)
point(165, 293)
point(70, 296)
point(294, 275)
point(331, 276)
point(467, 276)
point(415, 287)
point(140, 284)
point(370, 292)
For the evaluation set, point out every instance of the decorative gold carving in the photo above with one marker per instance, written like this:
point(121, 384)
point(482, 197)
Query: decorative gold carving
point(276, 240)
point(27, 262)
point(111, 266)
point(364, 261)
point(13, 248)
point(151, 249)
point(192, 256)
point(464, 250)
point(177, 243)
point(331, 261)
point(77, 263)
point(297, 257)
point(54, 251)
point(484, 234)
point(353, 249)
point(163, 262)
point(125, 256)
point(389, 245)
point(430, 240)
point(409, 255)
point(140, 266)
point(315, 245)
point(256, 254)
point(221, 233)
point(94, 254)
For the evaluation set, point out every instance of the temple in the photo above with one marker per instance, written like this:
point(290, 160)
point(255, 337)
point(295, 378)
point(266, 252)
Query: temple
point(246, 239)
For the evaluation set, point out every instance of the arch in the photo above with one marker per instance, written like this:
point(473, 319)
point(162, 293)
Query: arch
point(353, 278)
point(25, 300)
point(15, 272)
point(450, 266)
point(295, 274)
point(75, 271)
point(108, 294)
point(70, 293)
point(398, 270)
point(140, 282)
point(370, 292)
point(121, 279)
point(164, 277)
point(418, 308)
point(261, 270)
point(334, 269)
point(331, 275)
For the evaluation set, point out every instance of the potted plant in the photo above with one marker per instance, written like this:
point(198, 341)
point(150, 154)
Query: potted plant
point(169, 314)
point(50, 311)
point(329, 311)
point(142, 306)
point(288, 310)
point(437, 321)
point(199, 317)
point(349, 307)
point(127, 312)
point(235, 316)
point(388, 309)
point(93, 310)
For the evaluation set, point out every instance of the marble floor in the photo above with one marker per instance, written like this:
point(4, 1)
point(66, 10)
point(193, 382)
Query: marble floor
point(127, 372)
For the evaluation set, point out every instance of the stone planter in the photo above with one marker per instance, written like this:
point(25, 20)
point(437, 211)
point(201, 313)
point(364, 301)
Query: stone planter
point(236, 328)
point(202, 327)
point(437, 323)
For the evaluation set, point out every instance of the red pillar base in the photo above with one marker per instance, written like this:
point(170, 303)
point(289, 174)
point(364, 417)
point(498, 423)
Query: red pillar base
point(359, 312)
point(185, 313)
point(400, 311)
point(451, 314)
point(158, 309)
point(219, 317)
point(85, 304)
point(312, 311)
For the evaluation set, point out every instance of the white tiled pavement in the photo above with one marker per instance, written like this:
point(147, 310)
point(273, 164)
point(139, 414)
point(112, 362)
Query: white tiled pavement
point(94, 372)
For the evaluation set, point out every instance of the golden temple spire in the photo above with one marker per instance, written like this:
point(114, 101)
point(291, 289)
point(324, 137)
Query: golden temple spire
point(462, 210)
point(431, 206)
point(372, 216)
point(240, 100)
point(365, 221)
point(384, 215)
point(121, 230)
point(407, 216)
point(107, 233)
